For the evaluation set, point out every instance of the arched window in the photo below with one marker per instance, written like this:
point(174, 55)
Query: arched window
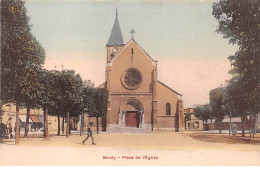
point(168, 109)
point(112, 56)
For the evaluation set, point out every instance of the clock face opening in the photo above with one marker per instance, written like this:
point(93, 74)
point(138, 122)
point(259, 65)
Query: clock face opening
point(131, 79)
point(114, 50)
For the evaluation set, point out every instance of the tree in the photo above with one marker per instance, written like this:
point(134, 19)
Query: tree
point(239, 21)
point(237, 100)
point(31, 83)
point(88, 100)
point(203, 113)
point(216, 97)
point(46, 94)
point(96, 102)
point(64, 91)
point(52, 92)
point(71, 87)
point(22, 56)
point(100, 100)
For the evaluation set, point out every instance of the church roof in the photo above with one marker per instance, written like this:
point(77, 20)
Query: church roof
point(169, 88)
point(116, 37)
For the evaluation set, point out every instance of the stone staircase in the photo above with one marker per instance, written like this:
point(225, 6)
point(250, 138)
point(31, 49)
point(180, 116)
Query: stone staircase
point(127, 130)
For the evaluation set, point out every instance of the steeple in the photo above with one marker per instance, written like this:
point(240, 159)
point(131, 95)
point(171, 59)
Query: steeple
point(116, 38)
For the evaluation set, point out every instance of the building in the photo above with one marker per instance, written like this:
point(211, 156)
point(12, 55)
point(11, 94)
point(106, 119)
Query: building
point(191, 121)
point(137, 99)
point(35, 120)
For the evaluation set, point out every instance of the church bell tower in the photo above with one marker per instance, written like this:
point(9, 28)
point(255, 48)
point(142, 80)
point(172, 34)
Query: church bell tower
point(115, 43)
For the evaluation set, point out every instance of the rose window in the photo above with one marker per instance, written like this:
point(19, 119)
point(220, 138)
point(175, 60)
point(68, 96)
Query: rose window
point(131, 79)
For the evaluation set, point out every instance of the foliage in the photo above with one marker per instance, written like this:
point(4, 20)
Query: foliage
point(236, 100)
point(216, 97)
point(26, 83)
point(100, 101)
point(63, 91)
point(203, 112)
point(22, 55)
point(71, 89)
point(239, 22)
point(88, 99)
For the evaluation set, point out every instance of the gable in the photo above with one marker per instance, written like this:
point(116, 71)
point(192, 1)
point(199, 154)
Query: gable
point(132, 42)
point(131, 57)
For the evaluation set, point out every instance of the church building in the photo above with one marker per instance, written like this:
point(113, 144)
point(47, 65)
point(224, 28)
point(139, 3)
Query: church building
point(137, 99)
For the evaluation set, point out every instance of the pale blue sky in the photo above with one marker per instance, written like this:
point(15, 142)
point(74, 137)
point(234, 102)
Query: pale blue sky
point(173, 30)
point(179, 29)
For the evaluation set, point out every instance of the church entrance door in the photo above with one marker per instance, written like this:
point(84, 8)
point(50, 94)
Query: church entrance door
point(132, 119)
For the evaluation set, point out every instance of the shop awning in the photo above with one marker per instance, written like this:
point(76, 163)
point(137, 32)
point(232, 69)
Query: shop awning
point(35, 119)
point(23, 118)
point(41, 119)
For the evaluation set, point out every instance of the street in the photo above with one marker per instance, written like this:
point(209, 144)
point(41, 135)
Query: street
point(158, 148)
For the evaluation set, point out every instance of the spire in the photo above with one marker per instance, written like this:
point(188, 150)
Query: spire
point(116, 37)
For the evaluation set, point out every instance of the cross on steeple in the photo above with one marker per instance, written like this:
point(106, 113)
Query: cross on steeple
point(132, 32)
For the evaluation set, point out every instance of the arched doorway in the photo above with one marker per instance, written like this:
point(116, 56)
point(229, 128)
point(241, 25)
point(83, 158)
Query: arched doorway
point(131, 113)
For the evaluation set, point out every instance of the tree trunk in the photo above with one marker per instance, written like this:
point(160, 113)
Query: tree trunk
point(219, 125)
point(229, 133)
point(243, 126)
point(203, 128)
point(46, 134)
point(63, 120)
point(81, 121)
point(27, 122)
point(68, 125)
point(254, 126)
point(250, 126)
point(207, 128)
point(216, 123)
point(17, 126)
point(58, 134)
point(97, 124)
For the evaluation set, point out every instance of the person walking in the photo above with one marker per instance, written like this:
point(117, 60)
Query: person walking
point(10, 128)
point(89, 134)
